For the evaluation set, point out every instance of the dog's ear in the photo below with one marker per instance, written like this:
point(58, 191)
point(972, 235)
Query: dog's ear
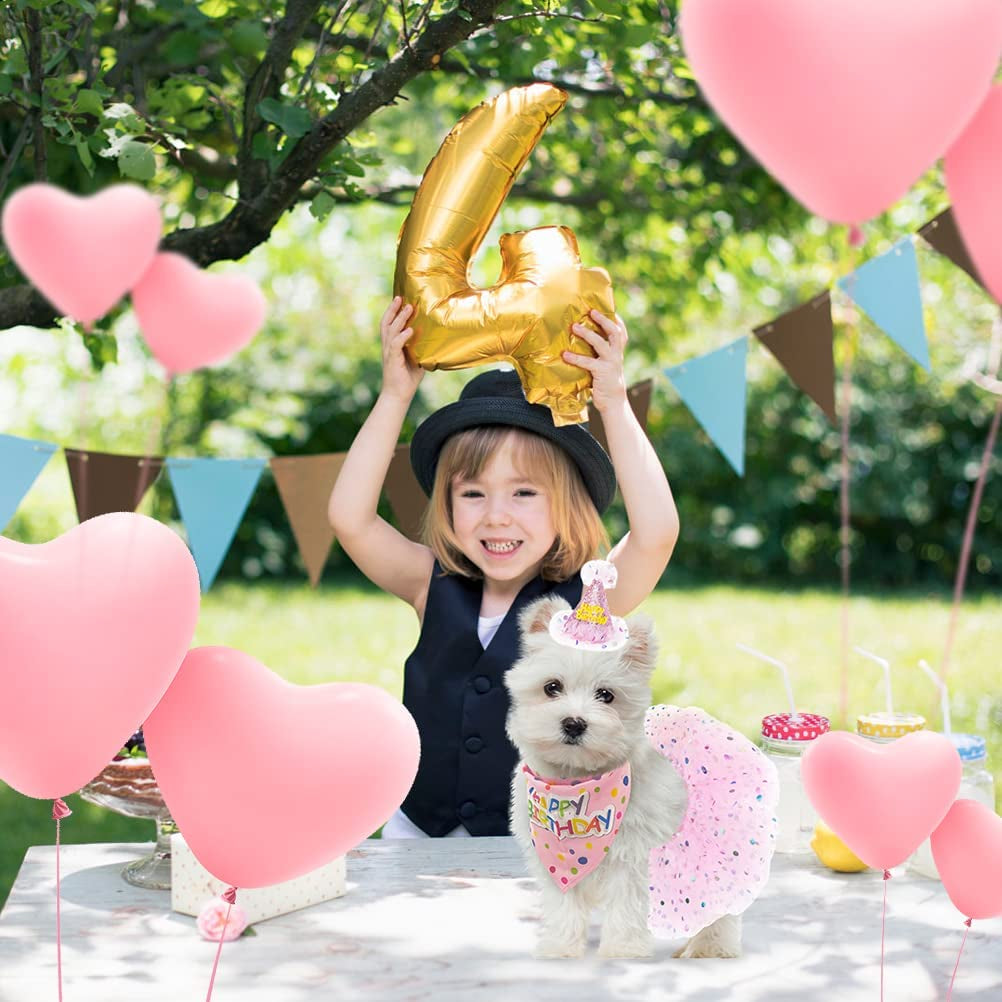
point(535, 617)
point(642, 647)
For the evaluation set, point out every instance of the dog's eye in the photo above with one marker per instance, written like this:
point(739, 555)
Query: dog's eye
point(553, 688)
point(604, 695)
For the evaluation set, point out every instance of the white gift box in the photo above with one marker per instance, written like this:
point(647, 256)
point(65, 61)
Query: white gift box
point(192, 886)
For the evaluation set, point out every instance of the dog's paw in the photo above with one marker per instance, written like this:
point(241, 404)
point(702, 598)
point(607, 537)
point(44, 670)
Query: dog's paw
point(702, 947)
point(638, 947)
point(555, 949)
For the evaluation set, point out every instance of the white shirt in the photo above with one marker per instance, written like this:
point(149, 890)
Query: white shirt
point(487, 626)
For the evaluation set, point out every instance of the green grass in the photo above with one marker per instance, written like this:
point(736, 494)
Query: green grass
point(344, 632)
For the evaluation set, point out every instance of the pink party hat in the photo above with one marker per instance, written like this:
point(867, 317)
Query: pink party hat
point(591, 625)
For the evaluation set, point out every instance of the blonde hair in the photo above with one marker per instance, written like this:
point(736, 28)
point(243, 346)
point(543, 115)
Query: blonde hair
point(579, 529)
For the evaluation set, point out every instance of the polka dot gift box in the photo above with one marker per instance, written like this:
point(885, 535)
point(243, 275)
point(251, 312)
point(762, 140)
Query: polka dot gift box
point(192, 886)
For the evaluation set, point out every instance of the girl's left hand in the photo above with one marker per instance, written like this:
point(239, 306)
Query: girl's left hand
point(608, 383)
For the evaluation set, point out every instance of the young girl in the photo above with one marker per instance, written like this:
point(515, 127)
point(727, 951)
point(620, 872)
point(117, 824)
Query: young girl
point(514, 514)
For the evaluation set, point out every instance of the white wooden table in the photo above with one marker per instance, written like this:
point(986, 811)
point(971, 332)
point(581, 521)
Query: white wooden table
point(454, 920)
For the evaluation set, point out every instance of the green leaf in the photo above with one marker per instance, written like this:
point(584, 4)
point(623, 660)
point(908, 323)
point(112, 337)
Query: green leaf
point(88, 102)
point(83, 151)
point(350, 166)
point(125, 114)
point(249, 931)
point(293, 121)
point(215, 8)
point(461, 58)
point(102, 348)
point(321, 206)
point(262, 146)
point(137, 161)
point(248, 39)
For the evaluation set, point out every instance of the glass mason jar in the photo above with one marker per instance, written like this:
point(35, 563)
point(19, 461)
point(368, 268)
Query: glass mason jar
point(785, 738)
point(976, 783)
point(884, 727)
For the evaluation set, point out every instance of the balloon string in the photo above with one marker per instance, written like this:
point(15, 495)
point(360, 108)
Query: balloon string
point(229, 896)
point(883, 917)
point(965, 547)
point(949, 994)
point(59, 811)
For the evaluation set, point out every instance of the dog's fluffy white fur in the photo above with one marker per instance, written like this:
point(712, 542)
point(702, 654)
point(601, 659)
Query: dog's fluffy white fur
point(614, 735)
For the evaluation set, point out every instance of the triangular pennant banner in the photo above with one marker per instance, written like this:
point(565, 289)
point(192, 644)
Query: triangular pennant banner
point(712, 386)
point(104, 482)
point(887, 289)
point(639, 395)
point(404, 493)
point(801, 340)
point(305, 484)
point(21, 461)
point(212, 496)
point(943, 235)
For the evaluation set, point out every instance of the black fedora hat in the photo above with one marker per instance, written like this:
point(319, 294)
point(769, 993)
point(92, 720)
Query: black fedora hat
point(496, 398)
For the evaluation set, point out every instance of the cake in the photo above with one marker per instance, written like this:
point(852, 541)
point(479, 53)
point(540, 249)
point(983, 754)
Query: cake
point(129, 778)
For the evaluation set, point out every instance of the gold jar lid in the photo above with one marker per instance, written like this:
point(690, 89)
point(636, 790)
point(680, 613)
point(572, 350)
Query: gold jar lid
point(888, 725)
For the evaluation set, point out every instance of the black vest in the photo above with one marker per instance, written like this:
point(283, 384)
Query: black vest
point(455, 691)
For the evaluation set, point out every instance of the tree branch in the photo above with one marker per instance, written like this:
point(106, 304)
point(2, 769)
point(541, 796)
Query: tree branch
point(33, 22)
point(266, 81)
point(260, 206)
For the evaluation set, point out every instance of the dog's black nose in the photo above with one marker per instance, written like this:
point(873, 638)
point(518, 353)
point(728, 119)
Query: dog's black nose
point(574, 727)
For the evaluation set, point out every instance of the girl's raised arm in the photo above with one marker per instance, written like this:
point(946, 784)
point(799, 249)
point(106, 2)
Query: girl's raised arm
point(643, 553)
point(387, 557)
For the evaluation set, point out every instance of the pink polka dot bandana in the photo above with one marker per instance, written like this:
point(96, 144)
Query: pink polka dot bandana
point(718, 861)
point(573, 822)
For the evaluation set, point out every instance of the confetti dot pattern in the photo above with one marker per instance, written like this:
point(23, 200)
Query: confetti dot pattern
point(718, 861)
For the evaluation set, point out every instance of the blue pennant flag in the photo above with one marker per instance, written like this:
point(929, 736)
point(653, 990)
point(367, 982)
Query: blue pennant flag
point(21, 461)
point(212, 496)
point(887, 289)
point(713, 388)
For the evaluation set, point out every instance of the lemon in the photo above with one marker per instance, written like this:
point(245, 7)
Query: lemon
point(833, 852)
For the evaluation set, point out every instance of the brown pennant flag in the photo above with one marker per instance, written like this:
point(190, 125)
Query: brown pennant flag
point(404, 493)
point(103, 482)
point(639, 395)
point(944, 236)
point(801, 340)
point(305, 484)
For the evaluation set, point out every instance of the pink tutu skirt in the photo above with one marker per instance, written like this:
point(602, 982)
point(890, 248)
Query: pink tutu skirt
point(718, 861)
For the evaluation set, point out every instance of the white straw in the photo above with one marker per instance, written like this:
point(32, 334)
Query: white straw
point(786, 676)
point(887, 674)
point(944, 695)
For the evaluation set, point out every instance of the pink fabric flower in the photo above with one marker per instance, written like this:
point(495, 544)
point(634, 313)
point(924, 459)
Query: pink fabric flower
point(212, 921)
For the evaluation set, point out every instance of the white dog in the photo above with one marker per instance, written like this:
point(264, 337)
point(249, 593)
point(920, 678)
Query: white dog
point(580, 713)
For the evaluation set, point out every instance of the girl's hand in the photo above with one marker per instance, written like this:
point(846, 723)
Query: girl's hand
point(400, 375)
point(608, 384)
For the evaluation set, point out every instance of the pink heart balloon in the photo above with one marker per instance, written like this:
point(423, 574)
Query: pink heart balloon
point(882, 800)
point(967, 850)
point(269, 780)
point(93, 627)
point(845, 103)
point(82, 254)
point(973, 166)
point(192, 318)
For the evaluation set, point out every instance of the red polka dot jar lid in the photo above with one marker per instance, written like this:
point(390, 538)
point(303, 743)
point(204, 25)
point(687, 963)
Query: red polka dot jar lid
point(794, 727)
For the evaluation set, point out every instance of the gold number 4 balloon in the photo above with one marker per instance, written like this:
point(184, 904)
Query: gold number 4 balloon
point(526, 317)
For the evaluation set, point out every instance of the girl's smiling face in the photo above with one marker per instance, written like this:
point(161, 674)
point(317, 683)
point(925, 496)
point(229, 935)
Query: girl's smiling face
point(502, 519)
